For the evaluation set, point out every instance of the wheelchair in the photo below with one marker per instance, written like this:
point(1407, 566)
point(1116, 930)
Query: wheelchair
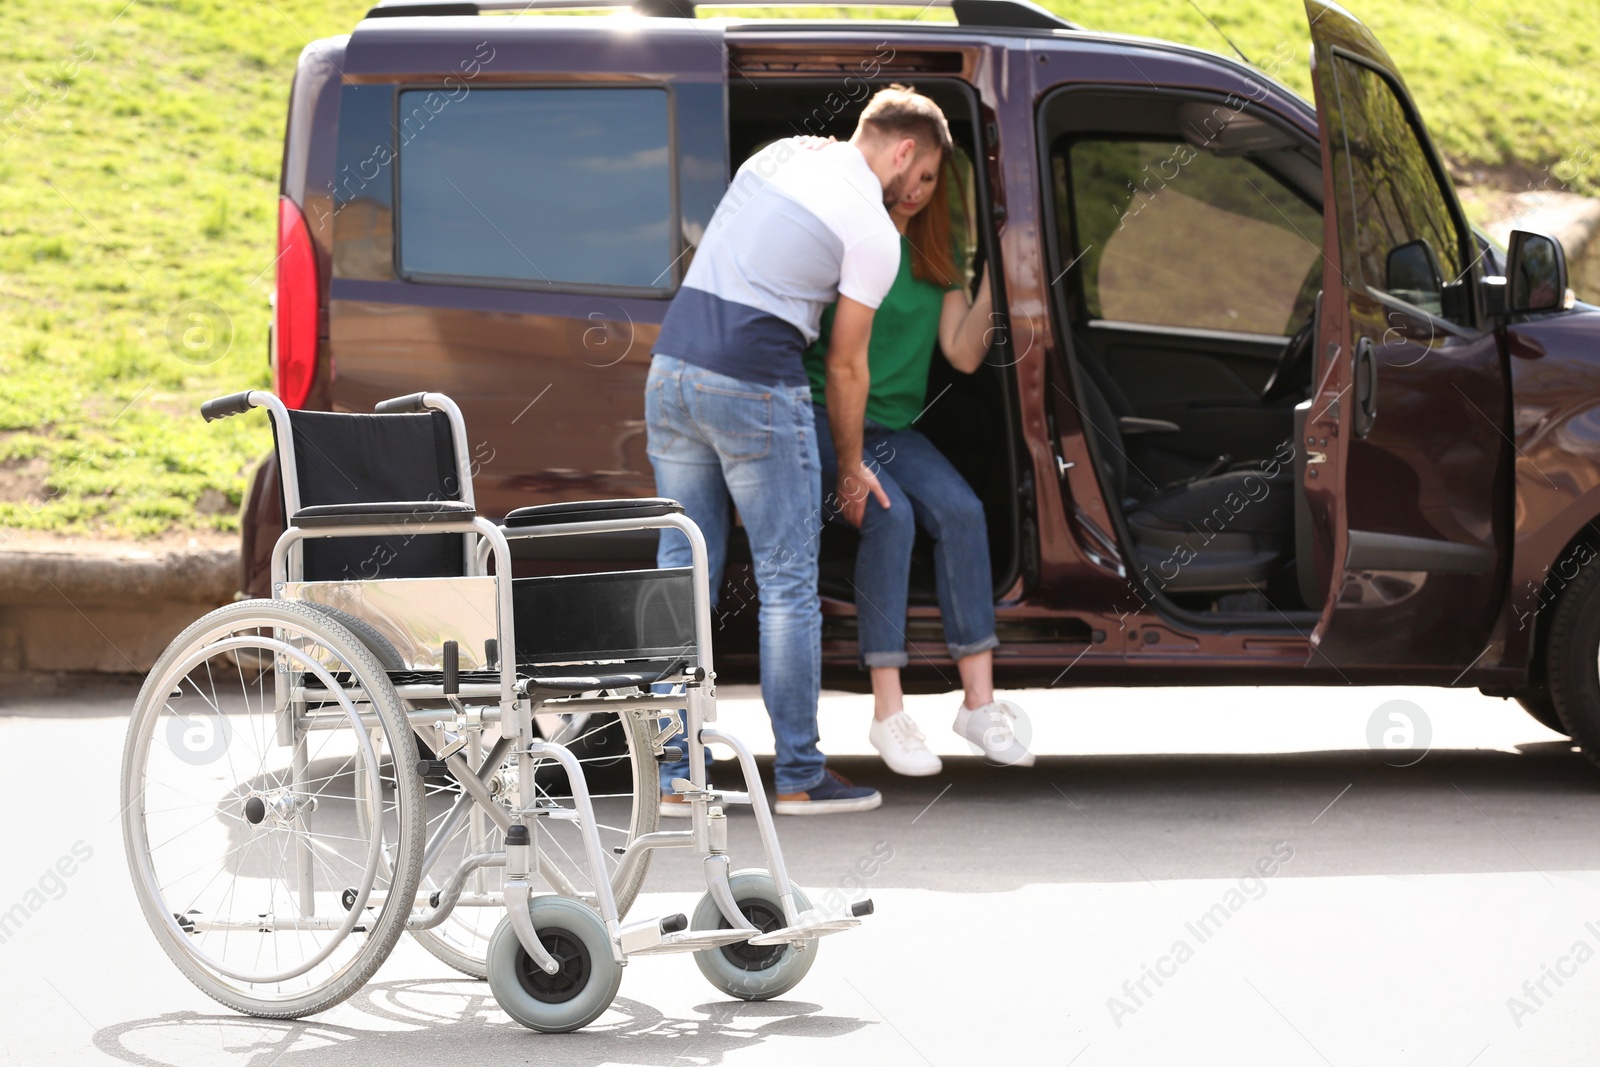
point(407, 739)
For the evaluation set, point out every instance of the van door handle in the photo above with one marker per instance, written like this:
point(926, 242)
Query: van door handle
point(1366, 383)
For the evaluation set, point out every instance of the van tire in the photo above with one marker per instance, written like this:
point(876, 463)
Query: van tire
point(1572, 661)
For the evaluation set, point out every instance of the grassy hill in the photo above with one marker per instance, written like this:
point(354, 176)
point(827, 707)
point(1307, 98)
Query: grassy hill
point(139, 152)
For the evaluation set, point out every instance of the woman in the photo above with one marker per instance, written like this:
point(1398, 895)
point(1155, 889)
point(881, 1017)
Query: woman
point(928, 302)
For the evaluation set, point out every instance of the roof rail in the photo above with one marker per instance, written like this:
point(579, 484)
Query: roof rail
point(1007, 14)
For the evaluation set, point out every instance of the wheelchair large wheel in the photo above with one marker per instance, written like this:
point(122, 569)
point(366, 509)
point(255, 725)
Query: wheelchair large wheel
point(272, 812)
point(615, 753)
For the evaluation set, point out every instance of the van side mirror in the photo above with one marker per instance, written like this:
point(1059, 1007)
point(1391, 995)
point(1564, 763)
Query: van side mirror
point(1411, 272)
point(1536, 273)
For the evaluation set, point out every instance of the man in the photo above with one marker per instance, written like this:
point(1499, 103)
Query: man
point(728, 402)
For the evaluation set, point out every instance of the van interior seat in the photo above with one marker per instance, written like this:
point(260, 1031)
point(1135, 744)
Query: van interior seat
point(1215, 533)
point(1149, 441)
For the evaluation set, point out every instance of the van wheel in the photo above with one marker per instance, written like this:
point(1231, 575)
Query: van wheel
point(1572, 663)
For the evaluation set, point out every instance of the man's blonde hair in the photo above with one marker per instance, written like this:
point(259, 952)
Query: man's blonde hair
point(900, 111)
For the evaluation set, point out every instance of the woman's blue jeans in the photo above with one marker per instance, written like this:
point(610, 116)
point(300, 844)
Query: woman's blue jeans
point(715, 440)
point(924, 490)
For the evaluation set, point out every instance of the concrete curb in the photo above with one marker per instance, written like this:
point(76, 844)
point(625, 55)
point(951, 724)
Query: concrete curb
point(109, 611)
point(1572, 219)
point(185, 574)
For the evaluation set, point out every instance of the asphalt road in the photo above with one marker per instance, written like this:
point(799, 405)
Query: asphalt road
point(1186, 877)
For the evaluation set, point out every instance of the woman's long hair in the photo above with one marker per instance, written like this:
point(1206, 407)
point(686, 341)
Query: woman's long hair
point(933, 253)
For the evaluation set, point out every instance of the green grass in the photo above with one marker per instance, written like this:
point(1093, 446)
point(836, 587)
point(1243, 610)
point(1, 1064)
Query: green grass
point(139, 154)
point(1501, 83)
point(137, 173)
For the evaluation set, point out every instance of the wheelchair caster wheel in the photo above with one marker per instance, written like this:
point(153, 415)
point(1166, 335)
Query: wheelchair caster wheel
point(743, 970)
point(574, 996)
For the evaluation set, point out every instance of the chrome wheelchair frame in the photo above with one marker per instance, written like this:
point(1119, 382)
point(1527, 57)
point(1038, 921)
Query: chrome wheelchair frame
point(500, 694)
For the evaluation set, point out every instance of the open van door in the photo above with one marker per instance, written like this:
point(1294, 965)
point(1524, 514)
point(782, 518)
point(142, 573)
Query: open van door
point(1405, 448)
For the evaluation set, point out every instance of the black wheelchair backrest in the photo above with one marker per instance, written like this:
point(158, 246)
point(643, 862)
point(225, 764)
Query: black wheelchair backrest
point(347, 458)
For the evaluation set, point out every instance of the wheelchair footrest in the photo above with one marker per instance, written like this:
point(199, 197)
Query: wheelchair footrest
point(639, 937)
point(812, 924)
point(690, 941)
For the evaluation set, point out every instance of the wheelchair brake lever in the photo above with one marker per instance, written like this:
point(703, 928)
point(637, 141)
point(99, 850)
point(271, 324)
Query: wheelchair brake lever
point(451, 663)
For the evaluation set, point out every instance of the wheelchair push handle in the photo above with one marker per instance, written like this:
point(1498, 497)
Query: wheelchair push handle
point(223, 406)
point(402, 404)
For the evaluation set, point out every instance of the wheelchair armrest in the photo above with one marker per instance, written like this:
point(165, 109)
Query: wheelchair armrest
point(383, 513)
point(569, 511)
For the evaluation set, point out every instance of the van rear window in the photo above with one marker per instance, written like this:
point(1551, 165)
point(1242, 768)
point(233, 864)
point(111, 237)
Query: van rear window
point(568, 188)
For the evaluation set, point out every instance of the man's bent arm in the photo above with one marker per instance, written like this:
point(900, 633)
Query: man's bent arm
point(848, 381)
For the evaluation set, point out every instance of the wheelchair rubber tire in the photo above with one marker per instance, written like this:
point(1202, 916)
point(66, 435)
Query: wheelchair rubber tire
point(752, 972)
point(574, 933)
point(380, 647)
point(377, 938)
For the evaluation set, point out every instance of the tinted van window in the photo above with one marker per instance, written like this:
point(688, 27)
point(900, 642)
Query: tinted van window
point(1406, 238)
point(558, 187)
point(1171, 235)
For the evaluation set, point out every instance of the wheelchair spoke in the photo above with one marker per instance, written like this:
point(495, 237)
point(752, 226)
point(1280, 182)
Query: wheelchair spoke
point(190, 829)
point(244, 846)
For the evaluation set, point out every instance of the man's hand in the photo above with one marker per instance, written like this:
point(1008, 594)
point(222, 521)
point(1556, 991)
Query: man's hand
point(849, 379)
point(855, 485)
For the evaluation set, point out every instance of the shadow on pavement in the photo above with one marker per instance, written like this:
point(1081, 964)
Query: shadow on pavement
point(447, 1021)
point(980, 828)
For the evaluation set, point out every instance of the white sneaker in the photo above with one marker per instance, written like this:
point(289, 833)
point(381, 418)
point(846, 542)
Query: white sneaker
point(991, 729)
point(903, 746)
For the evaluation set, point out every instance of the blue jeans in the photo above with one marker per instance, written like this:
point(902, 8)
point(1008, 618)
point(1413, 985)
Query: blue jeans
point(715, 440)
point(924, 490)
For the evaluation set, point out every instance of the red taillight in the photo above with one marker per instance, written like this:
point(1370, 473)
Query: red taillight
point(295, 313)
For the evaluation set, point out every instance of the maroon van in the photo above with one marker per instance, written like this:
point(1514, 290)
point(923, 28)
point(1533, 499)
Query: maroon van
point(1260, 406)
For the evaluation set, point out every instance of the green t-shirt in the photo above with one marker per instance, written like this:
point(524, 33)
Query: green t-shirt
point(903, 334)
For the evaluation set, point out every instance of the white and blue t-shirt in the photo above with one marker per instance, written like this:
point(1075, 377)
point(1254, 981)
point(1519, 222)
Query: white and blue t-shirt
point(797, 228)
